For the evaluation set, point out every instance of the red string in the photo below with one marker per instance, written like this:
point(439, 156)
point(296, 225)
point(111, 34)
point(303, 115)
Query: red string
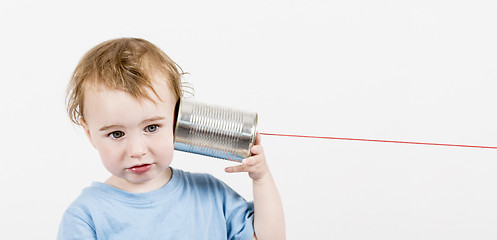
point(377, 140)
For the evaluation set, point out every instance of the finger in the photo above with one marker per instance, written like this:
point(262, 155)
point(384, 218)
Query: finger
point(249, 161)
point(233, 169)
point(250, 165)
point(258, 139)
point(257, 149)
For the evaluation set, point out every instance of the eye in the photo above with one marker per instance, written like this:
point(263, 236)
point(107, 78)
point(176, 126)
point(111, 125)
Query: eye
point(152, 128)
point(116, 134)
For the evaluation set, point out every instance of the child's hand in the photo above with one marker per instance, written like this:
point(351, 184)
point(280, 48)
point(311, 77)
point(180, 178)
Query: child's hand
point(269, 220)
point(255, 165)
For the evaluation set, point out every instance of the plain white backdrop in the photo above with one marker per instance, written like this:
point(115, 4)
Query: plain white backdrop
point(397, 70)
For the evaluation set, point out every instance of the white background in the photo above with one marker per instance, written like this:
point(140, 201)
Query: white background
point(398, 70)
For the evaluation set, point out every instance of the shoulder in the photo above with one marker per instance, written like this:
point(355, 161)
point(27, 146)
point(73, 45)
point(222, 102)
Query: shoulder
point(82, 204)
point(197, 178)
point(204, 183)
point(95, 200)
point(77, 219)
point(218, 201)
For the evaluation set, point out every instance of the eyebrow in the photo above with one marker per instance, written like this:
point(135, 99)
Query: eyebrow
point(152, 119)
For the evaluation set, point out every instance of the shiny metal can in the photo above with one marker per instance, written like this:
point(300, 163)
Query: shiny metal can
point(214, 131)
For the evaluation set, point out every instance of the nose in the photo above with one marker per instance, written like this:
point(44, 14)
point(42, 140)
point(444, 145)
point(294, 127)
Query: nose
point(137, 147)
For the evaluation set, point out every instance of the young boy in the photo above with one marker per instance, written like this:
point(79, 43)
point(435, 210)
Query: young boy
point(123, 93)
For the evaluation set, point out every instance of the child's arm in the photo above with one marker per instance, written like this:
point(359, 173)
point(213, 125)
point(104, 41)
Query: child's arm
point(269, 221)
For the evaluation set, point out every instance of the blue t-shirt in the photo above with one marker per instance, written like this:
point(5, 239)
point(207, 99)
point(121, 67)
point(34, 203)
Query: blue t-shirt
point(189, 206)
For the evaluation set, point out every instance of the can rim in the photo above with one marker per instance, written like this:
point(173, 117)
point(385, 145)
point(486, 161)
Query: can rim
point(254, 134)
point(177, 114)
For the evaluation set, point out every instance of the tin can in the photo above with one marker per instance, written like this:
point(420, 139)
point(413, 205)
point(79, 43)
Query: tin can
point(214, 131)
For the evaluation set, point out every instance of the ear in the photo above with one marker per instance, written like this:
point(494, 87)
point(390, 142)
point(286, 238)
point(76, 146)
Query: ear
point(87, 131)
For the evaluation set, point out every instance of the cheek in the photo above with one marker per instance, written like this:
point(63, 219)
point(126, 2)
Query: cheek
point(109, 153)
point(163, 145)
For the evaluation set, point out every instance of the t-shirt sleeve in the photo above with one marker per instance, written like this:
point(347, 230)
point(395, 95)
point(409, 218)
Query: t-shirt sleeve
point(239, 215)
point(74, 227)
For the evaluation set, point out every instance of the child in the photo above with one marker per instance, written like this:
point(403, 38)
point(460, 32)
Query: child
point(123, 93)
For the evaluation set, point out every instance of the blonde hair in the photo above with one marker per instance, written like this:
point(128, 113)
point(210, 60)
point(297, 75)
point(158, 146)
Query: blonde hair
point(122, 64)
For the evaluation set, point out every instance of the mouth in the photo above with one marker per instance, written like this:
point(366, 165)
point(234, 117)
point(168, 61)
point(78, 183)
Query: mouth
point(140, 168)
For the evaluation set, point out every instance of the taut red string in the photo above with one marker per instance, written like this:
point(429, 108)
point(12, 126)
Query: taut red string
point(377, 140)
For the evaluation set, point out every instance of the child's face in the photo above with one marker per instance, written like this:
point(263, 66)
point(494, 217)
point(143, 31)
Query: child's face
point(134, 138)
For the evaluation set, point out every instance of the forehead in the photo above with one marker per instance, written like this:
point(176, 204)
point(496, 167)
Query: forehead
point(104, 102)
